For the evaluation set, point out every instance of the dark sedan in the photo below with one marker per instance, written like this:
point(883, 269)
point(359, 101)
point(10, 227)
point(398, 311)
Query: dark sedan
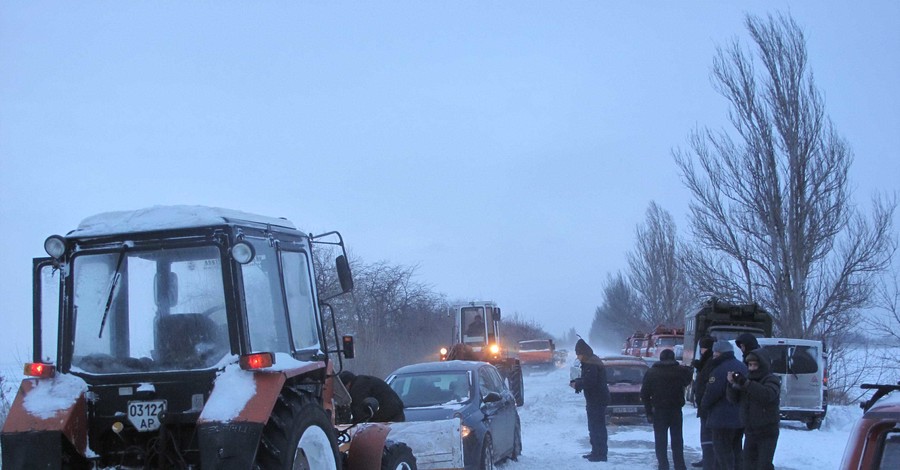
point(476, 393)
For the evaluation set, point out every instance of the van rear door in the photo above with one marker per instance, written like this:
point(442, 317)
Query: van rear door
point(801, 367)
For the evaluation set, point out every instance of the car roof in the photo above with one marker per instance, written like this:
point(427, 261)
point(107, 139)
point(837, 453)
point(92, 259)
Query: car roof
point(440, 366)
point(621, 358)
point(788, 341)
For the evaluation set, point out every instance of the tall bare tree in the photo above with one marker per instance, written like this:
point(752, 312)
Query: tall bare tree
point(655, 273)
point(618, 316)
point(771, 214)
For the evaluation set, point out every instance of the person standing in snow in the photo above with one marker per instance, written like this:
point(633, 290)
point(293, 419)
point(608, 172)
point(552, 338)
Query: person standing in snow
point(703, 368)
point(758, 395)
point(390, 406)
point(747, 343)
point(723, 416)
point(596, 397)
point(662, 393)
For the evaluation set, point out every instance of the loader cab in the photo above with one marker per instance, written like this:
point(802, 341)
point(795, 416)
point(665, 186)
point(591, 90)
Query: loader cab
point(478, 325)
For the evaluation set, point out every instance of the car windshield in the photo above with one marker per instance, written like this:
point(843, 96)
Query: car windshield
point(432, 388)
point(534, 345)
point(631, 374)
point(148, 310)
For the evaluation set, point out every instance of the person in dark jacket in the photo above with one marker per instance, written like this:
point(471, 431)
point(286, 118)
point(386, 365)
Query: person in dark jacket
point(723, 416)
point(390, 406)
point(596, 397)
point(662, 393)
point(703, 369)
point(758, 395)
point(747, 343)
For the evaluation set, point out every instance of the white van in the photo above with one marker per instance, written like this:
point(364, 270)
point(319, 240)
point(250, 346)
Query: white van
point(801, 365)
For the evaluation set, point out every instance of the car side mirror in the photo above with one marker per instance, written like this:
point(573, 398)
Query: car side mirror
point(492, 397)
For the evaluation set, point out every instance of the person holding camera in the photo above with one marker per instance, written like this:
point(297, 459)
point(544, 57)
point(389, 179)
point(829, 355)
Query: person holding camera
point(758, 394)
point(723, 417)
point(596, 397)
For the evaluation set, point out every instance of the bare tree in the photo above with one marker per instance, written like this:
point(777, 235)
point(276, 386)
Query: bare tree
point(771, 207)
point(655, 273)
point(618, 316)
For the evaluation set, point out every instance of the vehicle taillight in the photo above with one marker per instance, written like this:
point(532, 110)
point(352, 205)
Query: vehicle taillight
point(257, 361)
point(41, 370)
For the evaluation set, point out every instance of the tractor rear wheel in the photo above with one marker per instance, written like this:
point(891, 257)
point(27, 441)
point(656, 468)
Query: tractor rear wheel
point(397, 456)
point(297, 435)
point(517, 383)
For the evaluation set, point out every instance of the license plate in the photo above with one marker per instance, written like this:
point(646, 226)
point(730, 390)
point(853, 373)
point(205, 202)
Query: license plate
point(144, 415)
point(625, 409)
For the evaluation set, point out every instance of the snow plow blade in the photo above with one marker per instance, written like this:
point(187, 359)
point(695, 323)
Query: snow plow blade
point(437, 445)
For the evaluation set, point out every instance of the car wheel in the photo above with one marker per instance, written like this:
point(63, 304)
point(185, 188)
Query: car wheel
point(517, 441)
point(487, 454)
point(397, 456)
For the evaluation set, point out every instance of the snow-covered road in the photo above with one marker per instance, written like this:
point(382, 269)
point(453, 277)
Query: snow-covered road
point(554, 434)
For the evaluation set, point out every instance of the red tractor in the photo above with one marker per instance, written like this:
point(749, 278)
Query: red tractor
point(186, 337)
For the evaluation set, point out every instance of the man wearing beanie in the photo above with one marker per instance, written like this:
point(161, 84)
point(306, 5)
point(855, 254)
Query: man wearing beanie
point(596, 397)
point(703, 370)
point(662, 393)
point(723, 417)
point(758, 394)
point(390, 406)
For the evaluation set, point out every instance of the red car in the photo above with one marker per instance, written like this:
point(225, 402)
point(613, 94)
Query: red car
point(624, 375)
point(874, 442)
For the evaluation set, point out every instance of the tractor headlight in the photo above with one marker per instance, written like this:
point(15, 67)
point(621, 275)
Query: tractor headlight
point(495, 349)
point(465, 431)
point(55, 246)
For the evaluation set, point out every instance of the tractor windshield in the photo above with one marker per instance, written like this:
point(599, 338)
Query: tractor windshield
point(148, 310)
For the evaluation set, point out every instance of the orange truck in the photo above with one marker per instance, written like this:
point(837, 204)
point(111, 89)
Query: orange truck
point(537, 353)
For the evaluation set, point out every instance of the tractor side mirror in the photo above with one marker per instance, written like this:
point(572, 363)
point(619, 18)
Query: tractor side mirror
point(348, 349)
point(344, 274)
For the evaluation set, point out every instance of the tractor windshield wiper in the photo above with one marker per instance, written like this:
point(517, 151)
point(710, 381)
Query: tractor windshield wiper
point(117, 275)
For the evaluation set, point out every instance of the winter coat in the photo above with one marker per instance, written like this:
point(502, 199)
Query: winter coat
point(390, 406)
point(663, 385)
point(699, 385)
point(593, 381)
point(721, 413)
point(758, 397)
point(703, 380)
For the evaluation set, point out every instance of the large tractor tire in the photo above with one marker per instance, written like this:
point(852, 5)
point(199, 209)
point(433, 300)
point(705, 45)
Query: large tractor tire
point(297, 435)
point(517, 383)
point(397, 456)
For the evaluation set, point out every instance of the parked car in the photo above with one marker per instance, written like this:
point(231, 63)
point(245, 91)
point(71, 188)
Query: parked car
point(624, 375)
point(476, 393)
point(875, 439)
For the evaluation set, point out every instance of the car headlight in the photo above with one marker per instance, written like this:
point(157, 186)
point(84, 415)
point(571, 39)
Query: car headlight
point(465, 431)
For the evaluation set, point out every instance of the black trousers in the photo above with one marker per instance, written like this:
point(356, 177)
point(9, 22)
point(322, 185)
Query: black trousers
point(668, 421)
point(759, 448)
point(596, 417)
point(706, 446)
point(727, 444)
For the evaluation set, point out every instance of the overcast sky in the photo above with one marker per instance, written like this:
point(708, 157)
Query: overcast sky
point(507, 149)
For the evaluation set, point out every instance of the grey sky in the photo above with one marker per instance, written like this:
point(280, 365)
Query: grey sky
point(508, 149)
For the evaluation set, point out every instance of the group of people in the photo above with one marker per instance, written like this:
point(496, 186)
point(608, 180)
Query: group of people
point(737, 403)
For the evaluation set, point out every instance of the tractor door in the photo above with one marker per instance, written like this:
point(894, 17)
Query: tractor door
point(47, 287)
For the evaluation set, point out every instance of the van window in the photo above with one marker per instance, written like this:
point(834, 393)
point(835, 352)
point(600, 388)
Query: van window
point(787, 359)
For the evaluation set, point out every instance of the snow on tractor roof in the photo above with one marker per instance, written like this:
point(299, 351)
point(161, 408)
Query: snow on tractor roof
point(167, 218)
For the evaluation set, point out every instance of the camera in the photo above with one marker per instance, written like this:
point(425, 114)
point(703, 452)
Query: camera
point(737, 376)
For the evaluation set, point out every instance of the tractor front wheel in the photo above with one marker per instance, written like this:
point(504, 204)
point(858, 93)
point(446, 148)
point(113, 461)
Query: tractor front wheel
point(297, 435)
